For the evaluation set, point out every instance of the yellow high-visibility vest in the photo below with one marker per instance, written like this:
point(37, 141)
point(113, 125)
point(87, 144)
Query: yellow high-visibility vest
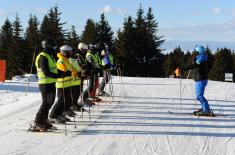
point(52, 67)
point(64, 65)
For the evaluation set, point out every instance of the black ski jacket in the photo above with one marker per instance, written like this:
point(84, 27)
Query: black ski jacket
point(199, 68)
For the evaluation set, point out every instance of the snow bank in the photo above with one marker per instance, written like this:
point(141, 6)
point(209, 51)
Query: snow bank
point(25, 78)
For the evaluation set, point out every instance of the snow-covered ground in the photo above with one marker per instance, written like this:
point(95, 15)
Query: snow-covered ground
point(136, 122)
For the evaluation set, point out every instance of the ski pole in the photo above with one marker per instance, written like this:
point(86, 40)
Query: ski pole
point(120, 79)
point(31, 68)
point(89, 104)
point(81, 94)
point(180, 93)
point(184, 85)
point(71, 95)
point(124, 92)
point(65, 129)
point(111, 85)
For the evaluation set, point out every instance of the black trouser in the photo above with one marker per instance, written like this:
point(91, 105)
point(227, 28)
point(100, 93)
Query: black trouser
point(63, 103)
point(48, 92)
point(75, 94)
point(105, 80)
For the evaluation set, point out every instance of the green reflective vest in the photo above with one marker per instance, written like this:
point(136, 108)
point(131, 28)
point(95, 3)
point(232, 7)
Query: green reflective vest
point(52, 68)
point(95, 59)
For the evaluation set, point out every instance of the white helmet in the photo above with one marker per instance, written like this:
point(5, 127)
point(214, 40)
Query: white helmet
point(65, 49)
point(82, 46)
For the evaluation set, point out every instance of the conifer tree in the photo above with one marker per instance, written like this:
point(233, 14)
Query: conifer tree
point(153, 43)
point(32, 32)
point(73, 38)
point(105, 34)
point(89, 35)
point(45, 31)
point(52, 27)
point(223, 64)
point(210, 58)
point(16, 53)
point(6, 34)
point(140, 36)
point(32, 41)
point(125, 52)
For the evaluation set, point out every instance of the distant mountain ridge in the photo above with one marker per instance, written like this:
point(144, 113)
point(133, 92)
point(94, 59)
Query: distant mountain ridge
point(170, 45)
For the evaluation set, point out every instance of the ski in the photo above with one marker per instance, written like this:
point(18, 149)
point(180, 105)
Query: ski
point(191, 114)
point(52, 131)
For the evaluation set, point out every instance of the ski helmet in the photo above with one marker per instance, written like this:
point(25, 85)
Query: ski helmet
point(200, 49)
point(82, 46)
point(49, 44)
point(65, 49)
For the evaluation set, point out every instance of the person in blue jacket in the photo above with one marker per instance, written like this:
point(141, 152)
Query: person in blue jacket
point(199, 68)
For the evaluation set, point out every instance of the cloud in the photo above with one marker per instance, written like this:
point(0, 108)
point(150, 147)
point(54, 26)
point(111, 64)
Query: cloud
point(216, 10)
point(2, 13)
point(5, 13)
point(211, 31)
point(40, 10)
point(108, 9)
point(230, 12)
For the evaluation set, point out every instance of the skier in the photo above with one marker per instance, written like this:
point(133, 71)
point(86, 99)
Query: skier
point(200, 74)
point(47, 74)
point(107, 64)
point(76, 80)
point(92, 64)
point(63, 104)
point(86, 69)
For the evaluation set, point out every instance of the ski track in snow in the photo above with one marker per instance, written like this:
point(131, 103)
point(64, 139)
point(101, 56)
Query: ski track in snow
point(137, 124)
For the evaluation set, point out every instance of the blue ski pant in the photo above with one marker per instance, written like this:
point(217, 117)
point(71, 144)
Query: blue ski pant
point(199, 89)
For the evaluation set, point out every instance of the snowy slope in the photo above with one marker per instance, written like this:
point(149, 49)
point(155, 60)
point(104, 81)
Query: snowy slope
point(137, 123)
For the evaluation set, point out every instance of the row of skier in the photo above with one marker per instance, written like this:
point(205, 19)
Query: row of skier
point(65, 72)
point(68, 73)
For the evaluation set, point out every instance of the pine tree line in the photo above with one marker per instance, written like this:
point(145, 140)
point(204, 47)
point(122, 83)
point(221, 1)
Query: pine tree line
point(136, 46)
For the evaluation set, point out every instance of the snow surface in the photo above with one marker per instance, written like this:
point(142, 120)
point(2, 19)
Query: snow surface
point(136, 121)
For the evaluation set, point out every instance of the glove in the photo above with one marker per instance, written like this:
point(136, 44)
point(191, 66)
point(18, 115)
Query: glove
point(60, 74)
point(68, 73)
point(116, 66)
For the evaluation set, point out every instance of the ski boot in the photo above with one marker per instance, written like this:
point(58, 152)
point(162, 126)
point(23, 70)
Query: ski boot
point(70, 113)
point(195, 112)
point(35, 127)
point(96, 99)
point(205, 113)
point(88, 103)
point(79, 108)
point(102, 93)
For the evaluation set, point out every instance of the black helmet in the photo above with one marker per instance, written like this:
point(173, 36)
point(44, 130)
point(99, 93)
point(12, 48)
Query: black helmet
point(49, 44)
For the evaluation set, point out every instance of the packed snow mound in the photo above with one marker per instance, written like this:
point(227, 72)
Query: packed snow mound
point(25, 78)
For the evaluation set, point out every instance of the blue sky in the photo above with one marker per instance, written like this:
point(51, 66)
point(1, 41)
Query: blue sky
point(209, 20)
